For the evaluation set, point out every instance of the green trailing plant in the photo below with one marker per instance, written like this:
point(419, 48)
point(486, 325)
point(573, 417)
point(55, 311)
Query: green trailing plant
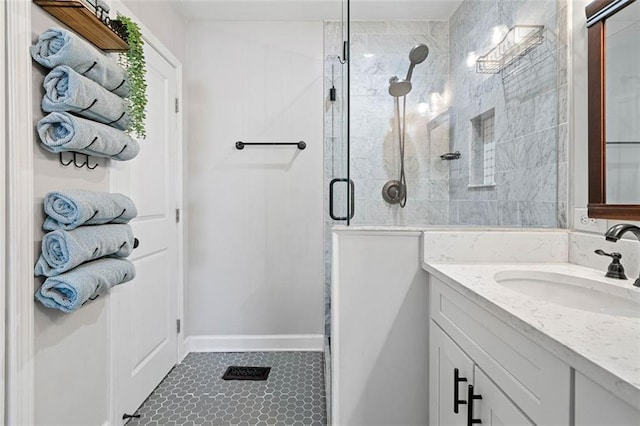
point(134, 63)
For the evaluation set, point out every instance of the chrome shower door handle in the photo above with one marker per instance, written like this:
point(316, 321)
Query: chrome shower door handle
point(351, 197)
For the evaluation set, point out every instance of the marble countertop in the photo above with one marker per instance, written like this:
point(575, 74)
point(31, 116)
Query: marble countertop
point(604, 347)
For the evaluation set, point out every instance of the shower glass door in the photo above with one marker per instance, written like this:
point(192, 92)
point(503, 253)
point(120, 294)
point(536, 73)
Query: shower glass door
point(341, 206)
point(338, 186)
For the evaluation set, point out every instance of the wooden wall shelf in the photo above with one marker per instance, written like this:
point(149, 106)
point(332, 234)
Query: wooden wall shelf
point(84, 21)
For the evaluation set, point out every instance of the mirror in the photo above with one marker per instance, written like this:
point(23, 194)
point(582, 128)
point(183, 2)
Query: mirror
point(614, 108)
point(622, 92)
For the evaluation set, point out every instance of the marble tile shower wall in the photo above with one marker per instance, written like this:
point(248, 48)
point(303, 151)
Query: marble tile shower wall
point(530, 104)
point(379, 50)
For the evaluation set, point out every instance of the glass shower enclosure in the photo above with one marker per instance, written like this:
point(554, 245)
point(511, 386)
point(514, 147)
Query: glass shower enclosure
point(340, 187)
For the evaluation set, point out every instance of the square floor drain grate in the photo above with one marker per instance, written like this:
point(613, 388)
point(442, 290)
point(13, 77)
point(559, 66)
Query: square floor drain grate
point(246, 373)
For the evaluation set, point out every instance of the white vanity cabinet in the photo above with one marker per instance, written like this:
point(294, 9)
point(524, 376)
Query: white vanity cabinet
point(519, 382)
point(495, 408)
point(450, 372)
point(456, 380)
point(596, 406)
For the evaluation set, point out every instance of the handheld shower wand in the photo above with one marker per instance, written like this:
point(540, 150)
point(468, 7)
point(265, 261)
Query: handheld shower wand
point(401, 87)
point(395, 191)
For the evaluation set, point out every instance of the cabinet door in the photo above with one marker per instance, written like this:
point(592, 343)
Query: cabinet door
point(450, 373)
point(494, 409)
point(597, 406)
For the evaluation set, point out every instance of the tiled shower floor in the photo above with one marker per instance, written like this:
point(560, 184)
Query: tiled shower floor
point(193, 393)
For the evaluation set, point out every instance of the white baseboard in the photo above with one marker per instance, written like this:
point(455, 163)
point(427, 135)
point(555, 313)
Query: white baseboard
point(183, 348)
point(255, 343)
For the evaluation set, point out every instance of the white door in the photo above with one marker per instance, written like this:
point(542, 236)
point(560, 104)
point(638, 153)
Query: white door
point(145, 310)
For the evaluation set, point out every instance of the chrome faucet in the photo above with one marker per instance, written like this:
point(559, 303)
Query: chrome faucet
point(617, 231)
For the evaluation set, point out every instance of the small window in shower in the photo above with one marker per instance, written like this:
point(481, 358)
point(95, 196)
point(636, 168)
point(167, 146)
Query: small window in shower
point(483, 150)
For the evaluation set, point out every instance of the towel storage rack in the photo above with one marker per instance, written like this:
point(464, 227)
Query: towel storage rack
point(301, 145)
point(74, 160)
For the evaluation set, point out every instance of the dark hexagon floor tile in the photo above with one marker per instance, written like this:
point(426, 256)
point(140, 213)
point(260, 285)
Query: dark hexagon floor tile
point(193, 393)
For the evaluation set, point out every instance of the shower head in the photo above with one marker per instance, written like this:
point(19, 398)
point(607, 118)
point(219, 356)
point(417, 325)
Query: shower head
point(398, 87)
point(417, 55)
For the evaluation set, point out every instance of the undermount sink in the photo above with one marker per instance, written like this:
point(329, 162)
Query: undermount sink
point(573, 292)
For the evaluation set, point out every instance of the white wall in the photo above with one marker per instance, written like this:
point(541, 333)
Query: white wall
point(255, 216)
point(162, 19)
point(380, 329)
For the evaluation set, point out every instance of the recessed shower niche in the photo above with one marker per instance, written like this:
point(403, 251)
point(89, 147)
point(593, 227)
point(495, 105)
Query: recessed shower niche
point(482, 166)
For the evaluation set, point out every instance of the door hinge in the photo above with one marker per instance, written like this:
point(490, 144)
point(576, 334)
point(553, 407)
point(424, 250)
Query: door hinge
point(177, 105)
point(177, 215)
point(178, 326)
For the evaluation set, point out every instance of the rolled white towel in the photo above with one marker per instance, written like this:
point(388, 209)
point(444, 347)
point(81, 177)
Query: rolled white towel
point(68, 209)
point(69, 291)
point(61, 131)
point(66, 90)
point(64, 250)
point(57, 46)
